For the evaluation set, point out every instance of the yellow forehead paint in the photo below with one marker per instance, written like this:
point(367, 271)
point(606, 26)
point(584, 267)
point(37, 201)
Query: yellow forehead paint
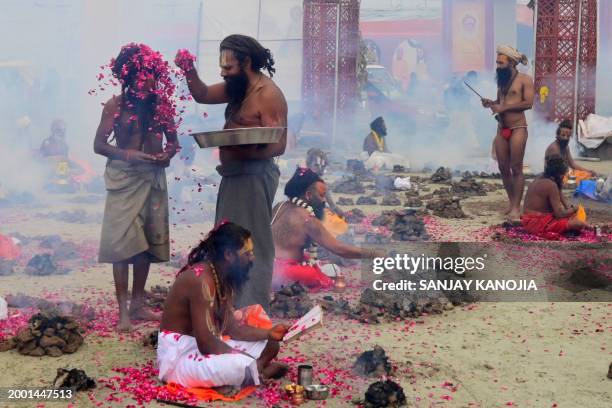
point(224, 58)
point(248, 247)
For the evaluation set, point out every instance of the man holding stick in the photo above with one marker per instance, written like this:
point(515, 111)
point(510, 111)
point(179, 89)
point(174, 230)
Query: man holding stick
point(515, 93)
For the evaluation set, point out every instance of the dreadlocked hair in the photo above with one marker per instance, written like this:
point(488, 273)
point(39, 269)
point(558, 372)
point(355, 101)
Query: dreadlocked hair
point(244, 46)
point(212, 248)
point(128, 68)
point(566, 124)
point(555, 169)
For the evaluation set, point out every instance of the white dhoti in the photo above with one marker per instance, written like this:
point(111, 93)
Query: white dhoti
point(180, 362)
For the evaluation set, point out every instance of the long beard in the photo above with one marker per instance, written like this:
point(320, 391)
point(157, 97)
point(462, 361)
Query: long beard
point(503, 76)
point(319, 209)
point(236, 87)
point(237, 275)
point(563, 144)
point(144, 108)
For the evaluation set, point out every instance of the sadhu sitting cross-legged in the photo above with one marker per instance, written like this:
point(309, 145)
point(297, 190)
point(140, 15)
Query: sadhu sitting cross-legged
point(201, 342)
point(546, 210)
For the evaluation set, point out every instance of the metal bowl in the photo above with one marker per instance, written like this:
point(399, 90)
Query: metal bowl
point(241, 136)
point(317, 391)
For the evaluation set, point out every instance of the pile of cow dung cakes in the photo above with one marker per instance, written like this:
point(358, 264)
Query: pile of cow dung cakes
point(348, 186)
point(442, 175)
point(156, 297)
point(373, 363)
point(291, 302)
point(384, 394)
point(355, 216)
point(345, 201)
point(43, 265)
point(46, 334)
point(404, 224)
point(446, 207)
point(470, 187)
point(391, 200)
point(364, 200)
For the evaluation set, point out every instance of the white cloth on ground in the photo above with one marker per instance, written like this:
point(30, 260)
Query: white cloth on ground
point(180, 362)
point(379, 160)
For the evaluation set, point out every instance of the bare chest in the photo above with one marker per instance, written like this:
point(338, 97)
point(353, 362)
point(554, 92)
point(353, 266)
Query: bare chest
point(515, 92)
point(247, 115)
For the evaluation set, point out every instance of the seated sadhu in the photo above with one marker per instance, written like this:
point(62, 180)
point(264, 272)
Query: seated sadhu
point(333, 218)
point(561, 147)
point(201, 343)
point(545, 209)
point(375, 140)
point(297, 228)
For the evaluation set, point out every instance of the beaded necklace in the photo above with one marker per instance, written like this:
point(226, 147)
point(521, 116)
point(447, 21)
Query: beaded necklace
point(223, 317)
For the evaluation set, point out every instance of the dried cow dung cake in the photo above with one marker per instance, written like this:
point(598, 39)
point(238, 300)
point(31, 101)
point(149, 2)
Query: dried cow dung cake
point(41, 265)
point(442, 175)
point(75, 379)
point(345, 201)
point(348, 186)
point(373, 363)
point(49, 334)
point(363, 200)
point(384, 394)
point(291, 302)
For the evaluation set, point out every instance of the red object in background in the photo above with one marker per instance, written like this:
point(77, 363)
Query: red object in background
point(8, 249)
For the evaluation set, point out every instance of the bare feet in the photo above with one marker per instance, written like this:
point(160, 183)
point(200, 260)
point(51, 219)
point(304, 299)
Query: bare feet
point(143, 313)
point(124, 325)
point(275, 371)
point(513, 215)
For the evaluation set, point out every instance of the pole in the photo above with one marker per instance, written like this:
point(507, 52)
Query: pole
point(258, 19)
point(535, 40)
point(197, 49)
point(335, 116)
point(576, 79)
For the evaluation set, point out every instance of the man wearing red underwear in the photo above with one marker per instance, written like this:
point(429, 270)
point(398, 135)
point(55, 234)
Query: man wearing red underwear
point(515, 93)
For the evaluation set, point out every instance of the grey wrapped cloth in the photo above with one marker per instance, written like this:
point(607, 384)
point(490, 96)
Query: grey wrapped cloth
point(246, 194)
point(135, 214)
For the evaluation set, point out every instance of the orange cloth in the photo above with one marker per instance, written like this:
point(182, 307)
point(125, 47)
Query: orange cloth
point(8, 249)
point(254, 316)
point(540, 223)
point(579, 174)
point(581, 213)
point(287, 271)
point(334, 223)
point(208, 394)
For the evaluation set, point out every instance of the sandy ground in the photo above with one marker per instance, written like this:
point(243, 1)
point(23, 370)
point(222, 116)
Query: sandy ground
point(478, 355)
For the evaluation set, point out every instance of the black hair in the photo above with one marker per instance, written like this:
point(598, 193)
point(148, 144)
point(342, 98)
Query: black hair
point(566, 124)
point(244, 46)
point(555, 169)
point(302, 180)
point(226, 236)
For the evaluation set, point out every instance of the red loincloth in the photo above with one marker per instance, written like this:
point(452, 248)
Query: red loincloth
point(287, 271)
point(506, 133)
point(540, 223)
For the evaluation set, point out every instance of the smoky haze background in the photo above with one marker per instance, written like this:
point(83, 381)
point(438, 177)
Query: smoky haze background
point(52, 51)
